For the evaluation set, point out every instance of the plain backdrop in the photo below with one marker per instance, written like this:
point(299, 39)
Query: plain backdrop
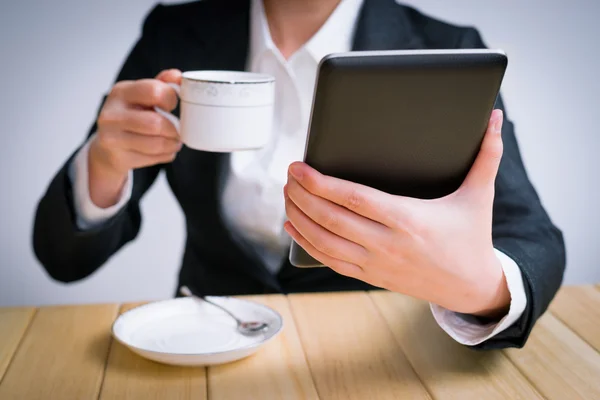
point(58, 58)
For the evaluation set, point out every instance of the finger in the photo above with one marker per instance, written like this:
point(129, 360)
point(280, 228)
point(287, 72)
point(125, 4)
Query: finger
point(133, 160)
point(144, 122)
point(335, 218)
point(360, 199)
point(142, 144)
point(147, 93)
point(326, 242)
point(144, 160)
point(147, 145)
point(170, 76)
point(339, 266)
point(483, 173)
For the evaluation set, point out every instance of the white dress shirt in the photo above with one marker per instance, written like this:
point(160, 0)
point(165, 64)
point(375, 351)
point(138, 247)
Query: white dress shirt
point(252, 201)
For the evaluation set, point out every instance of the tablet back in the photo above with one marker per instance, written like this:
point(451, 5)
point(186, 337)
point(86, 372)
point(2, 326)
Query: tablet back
point(405, 122)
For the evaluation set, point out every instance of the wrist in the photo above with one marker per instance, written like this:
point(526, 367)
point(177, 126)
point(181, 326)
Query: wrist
point(494, 302)
point(104, 180)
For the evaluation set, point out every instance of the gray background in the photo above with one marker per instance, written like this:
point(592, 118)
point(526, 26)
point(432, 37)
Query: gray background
point(60, 57)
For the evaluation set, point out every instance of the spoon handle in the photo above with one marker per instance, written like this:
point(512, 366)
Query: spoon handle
point(187, 292)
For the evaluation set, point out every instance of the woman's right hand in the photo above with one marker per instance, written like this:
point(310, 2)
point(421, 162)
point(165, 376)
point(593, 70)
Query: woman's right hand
point(131, 134)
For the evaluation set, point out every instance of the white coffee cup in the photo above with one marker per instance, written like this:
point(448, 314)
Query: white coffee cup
point(224, 111)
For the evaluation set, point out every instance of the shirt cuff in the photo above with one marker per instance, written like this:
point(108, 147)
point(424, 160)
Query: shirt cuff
point(87, 214)
point(466, 329)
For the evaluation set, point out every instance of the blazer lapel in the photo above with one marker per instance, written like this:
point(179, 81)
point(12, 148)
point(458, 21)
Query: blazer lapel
point(384, 25)
point(221, 31)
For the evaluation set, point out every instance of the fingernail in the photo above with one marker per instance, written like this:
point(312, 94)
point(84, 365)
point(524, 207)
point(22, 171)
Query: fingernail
point(286, 227)
point(296, 171)
point(498, 122)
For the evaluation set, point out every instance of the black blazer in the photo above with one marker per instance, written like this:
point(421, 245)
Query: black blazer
point(214, 34)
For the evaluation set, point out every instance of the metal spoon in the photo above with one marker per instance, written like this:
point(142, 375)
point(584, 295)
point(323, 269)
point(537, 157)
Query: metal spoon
point(248, 328)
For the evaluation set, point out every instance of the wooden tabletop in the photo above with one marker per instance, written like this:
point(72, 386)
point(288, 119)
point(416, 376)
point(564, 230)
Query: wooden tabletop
point(358, 345)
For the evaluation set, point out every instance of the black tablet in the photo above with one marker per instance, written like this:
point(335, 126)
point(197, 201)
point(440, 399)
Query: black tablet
point(408, 123)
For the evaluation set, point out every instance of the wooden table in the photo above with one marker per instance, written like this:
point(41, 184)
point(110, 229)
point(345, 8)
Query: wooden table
point(356, 345)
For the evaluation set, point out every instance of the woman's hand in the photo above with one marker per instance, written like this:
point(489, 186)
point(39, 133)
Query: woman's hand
point(131, 134)
point(438, 250)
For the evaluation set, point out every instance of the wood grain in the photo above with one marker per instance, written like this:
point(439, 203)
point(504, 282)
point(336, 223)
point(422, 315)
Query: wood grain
point(578, 307)
point(277, 371)
point(350, 349)
point(130, 376)
point(559, 363)
point(448, 369)
point(334, 345)
point(13, 323)
point(62, 355)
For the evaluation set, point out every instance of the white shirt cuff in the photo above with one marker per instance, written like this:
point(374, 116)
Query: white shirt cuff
point(87, 214)
point(470, 332)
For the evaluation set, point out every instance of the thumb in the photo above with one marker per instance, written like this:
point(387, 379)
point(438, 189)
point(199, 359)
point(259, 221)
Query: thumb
point(170, 76)
point(482, 175)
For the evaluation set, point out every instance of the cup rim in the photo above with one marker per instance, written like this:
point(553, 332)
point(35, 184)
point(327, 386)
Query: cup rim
point(228, 77)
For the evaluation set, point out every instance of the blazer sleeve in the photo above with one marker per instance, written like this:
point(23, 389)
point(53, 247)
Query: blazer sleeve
point(67, 253)
point(522, 230)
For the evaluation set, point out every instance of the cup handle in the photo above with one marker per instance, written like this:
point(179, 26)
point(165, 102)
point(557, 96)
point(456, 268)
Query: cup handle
point(173, 119)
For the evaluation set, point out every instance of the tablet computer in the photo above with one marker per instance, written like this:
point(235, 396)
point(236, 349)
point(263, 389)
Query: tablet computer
point(408, 123)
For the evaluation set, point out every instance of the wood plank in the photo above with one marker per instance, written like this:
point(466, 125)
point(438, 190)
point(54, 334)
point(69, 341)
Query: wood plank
point(13, 323)
point(350, 349)
point(130, 376)
point(559, 363)
point(578, 307)
point(62, 355)
point(277, 371)
point(448, 369)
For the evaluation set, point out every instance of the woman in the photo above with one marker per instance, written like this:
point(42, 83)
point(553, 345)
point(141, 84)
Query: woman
point(487, 257)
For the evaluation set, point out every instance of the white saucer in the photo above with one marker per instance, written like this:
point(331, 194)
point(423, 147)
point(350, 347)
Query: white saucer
point(190, 332)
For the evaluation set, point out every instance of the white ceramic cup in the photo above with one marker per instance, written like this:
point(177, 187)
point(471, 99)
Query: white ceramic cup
point(224, 111)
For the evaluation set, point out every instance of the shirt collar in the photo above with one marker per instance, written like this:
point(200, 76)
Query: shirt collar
point(260, 38)
point(335, 36)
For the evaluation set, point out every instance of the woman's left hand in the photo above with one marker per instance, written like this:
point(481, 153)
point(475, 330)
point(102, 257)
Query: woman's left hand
point(438, 250)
